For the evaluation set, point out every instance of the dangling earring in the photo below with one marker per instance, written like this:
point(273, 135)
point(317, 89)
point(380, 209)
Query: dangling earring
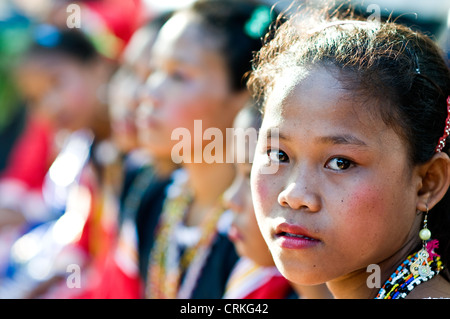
point(420, 266)
point(425, 233)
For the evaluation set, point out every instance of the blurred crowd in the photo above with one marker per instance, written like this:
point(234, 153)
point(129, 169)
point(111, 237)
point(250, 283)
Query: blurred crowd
point(92, 204)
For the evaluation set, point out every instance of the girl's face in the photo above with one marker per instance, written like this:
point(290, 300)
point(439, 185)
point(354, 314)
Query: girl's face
point(244, 231)
point(189, 81)
point(344, 195)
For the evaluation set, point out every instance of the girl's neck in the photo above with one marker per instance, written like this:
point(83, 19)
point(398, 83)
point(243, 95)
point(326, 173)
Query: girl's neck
point(363, 283)
point(312, 292)
point(208, 182)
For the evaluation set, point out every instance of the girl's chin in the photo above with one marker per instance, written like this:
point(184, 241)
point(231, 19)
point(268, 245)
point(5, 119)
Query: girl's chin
point(302, 277)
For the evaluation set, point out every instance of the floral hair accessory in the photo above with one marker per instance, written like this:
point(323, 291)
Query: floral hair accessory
point(258, 22)
point(443, 139)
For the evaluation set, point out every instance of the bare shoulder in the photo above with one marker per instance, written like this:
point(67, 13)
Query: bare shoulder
point(438, 287)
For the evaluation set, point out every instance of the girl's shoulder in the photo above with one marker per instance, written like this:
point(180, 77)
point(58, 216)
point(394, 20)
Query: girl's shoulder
point(436, 288)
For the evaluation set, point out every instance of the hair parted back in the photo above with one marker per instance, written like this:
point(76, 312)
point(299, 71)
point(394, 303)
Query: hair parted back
point(392, 70)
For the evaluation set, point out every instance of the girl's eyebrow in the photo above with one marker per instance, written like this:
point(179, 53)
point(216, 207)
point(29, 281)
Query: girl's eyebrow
point(345, 139)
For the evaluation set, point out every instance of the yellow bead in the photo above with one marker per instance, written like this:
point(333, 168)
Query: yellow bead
point(425, 234)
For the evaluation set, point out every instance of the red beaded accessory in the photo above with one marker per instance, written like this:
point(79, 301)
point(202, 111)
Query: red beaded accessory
point(443, 139)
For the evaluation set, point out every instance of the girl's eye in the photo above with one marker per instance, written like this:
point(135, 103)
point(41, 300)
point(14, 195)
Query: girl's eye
point(339, 164)
point(277, 156)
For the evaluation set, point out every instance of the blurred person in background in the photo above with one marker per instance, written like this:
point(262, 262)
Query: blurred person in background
point(124, 93)
point(59, 78)
point(62, 76)
point(144, 177)
point(255, 275)
point(198, 65)
point(13, 112)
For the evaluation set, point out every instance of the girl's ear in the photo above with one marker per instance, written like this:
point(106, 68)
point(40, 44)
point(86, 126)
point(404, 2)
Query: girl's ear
point(435, 181)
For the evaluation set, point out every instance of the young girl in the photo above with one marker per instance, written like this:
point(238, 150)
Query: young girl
point(199, 60)
point(362, 112)
point(255, 275)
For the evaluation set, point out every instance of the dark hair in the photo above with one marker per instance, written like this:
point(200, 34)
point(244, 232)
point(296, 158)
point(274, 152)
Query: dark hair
point(72, 43)
point(402, 70)
point(240, 25)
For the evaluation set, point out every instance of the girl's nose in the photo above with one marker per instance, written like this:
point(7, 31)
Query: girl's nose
point(297, 196)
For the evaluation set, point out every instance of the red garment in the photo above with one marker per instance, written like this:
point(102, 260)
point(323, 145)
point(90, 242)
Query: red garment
point(106, 279)
point(32, 155)
point(102, 276)
point(251, 281)
point(123, 18)
point(276, 288)
point(115, 275)
point(111, 282)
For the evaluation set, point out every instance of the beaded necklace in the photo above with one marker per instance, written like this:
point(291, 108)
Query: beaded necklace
point(170, 275)
point(408, 275)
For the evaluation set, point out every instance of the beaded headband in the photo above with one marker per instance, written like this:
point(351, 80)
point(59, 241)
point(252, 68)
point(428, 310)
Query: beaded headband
point(443, 139)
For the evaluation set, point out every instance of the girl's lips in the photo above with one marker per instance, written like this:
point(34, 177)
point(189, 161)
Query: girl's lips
point(294, 237)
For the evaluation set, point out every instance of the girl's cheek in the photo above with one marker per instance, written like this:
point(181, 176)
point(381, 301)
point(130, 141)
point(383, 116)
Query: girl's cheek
point(360, 200)
point(371, 200)
point(365, 212)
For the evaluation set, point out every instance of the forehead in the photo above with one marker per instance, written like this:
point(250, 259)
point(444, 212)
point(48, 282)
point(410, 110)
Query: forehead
point(183, 37)
point(316, 102)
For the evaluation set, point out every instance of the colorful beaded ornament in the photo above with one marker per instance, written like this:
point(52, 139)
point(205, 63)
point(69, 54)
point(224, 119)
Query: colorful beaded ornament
point(407, 276)
point(172, 276)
